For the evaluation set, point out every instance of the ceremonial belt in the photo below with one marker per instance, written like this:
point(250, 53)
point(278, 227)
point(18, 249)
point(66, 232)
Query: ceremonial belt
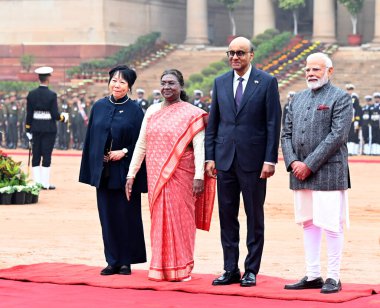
point(41, 115)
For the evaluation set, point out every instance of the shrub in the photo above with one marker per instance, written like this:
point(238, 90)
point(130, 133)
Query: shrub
point(196, 78)
point(27, 61)
point(218, 65)
point(209, 71)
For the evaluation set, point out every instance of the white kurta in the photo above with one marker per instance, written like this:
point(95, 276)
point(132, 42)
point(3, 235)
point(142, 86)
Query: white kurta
point(327, 209)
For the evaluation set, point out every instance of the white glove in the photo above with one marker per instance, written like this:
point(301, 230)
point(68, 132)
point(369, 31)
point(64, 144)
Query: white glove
point(29, 136)
point(65, 116)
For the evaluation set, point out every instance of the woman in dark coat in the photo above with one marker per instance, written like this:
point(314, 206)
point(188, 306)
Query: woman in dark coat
point(112, 133)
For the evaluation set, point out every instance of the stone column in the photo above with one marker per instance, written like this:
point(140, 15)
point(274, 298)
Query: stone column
point(263, 16)
point(376, 38)
point(324, 21)
point(196, 22)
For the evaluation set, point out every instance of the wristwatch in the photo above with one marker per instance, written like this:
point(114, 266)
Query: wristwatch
point(125, 151)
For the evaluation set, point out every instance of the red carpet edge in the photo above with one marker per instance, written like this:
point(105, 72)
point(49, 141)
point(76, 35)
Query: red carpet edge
point(267, 287)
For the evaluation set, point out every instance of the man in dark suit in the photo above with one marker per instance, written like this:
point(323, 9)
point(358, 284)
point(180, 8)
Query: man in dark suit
point(40, 126)
point(241, 143)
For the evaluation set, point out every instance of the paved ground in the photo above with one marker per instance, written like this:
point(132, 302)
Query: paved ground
point(64, 227)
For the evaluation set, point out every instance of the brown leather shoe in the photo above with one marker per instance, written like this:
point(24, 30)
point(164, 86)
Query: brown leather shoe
point(304, 284)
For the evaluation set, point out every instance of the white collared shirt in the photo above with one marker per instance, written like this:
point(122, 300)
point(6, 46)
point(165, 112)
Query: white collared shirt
point(244, 82)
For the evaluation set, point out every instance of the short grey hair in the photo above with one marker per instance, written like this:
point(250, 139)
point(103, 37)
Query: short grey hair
point(323, 56)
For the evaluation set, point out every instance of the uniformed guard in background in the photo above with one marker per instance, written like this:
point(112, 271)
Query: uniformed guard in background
point(12, 111)
point(156, 97)
point(21, 122)
point(198, 101)
point(75, 121)
point(2, 122)
point(375, 123)
point(353, 142)
point(289, 98)
point(143, 103)
point(41, 116)
point(366, 125)
point(63, 127)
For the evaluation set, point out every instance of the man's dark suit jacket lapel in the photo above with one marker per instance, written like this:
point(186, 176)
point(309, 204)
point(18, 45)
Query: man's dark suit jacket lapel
point(229, 89)
point(252, 85)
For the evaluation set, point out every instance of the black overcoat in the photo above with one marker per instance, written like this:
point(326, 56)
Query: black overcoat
point(122, 122)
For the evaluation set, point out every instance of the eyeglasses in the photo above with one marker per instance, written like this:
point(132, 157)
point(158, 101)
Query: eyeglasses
point(239, 53)
point(170, 84)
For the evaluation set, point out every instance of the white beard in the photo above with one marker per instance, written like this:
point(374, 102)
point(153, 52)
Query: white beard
point(313, 85)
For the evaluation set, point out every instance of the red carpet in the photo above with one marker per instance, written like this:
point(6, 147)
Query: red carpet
point(16, 294)
point(267, 288)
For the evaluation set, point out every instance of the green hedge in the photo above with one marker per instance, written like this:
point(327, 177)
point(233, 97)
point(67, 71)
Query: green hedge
point(17, 86)
point(126, 55)
point(265, 44)
point(277, 43)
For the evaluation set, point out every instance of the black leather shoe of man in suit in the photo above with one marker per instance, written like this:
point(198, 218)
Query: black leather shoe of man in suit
point(248, 280)
point(304, 284)
point(331, 286)
point(110, 270)
point(229, 277)
point(125, 270)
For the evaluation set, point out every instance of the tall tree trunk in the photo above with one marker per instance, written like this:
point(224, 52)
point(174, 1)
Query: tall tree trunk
point(233, 25)
point(295, 21)
point(354, 20)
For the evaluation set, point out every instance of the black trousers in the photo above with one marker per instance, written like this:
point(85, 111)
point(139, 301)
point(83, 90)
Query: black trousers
point(12, 137)
point(122, 228)
point(42, 147)
point(230, 184)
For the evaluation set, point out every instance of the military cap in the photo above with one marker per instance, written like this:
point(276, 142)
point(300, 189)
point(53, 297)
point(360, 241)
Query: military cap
point(368, 97)
point(376, 95)
point(156, 92)
point(350, 86)
point(355, 95)
point(198, 92)
point(44, 70)
point(140, 91)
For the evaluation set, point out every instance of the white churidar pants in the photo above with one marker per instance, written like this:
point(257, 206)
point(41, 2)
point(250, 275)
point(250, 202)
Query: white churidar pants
point(317, 211)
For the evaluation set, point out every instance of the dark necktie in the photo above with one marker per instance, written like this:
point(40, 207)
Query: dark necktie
point(239, 92)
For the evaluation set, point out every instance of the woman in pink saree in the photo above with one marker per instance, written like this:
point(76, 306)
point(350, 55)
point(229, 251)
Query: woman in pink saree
point(172, 142)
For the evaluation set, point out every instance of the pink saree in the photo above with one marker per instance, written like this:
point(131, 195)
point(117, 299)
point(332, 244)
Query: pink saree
point(175, 211)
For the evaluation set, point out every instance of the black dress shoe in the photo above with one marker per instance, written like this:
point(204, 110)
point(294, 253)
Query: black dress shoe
point(229, 277)
point(51, 187)
point(125, 270)
point(110, 270)
point(248, 280)
point(304, 284)
point(331, 286)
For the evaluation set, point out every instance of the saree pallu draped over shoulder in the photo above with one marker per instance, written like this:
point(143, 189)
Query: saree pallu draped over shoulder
point(175, 211)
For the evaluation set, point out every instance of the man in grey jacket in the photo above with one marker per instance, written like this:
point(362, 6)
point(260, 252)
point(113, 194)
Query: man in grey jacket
point(314, 145)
